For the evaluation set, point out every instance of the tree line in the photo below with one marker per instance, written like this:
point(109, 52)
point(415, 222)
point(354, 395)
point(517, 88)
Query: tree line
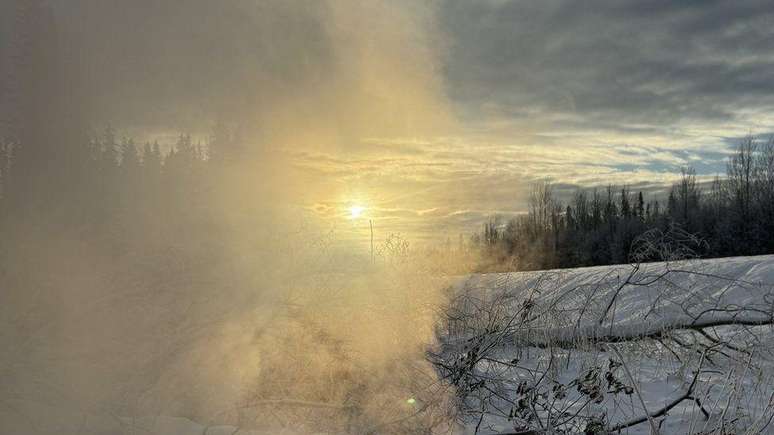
point(733, 215)
point(114, 188)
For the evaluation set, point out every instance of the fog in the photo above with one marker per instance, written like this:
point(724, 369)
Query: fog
point(158, 255)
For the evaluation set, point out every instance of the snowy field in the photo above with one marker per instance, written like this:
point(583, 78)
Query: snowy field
point(594, 348)
point(682, 347)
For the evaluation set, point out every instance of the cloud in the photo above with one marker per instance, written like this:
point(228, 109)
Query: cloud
point(672, 72)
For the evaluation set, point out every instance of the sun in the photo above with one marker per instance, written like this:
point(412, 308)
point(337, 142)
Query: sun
point(356, 211)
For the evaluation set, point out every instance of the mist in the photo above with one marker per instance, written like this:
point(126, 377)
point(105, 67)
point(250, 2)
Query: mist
point(159, 254)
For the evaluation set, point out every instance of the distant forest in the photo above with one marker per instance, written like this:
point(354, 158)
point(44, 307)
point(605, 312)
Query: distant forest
point(115, 188)
point(734, 215)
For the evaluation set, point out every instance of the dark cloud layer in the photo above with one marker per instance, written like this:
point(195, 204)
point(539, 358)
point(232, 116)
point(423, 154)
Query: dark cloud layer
point(653, 64)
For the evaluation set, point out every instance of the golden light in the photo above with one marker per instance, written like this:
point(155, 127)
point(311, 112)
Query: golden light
point(356, 211)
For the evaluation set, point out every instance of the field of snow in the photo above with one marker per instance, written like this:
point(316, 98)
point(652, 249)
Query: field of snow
point(568, 350)
point(524, 345)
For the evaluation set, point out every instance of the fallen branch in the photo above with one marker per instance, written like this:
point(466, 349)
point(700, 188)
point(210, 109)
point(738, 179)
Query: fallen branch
point(687, 395)
point(570, 338)
point(654, 428)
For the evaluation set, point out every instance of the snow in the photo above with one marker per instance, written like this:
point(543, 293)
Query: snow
point(698, 292)
point(693, 286)
point(60, 419)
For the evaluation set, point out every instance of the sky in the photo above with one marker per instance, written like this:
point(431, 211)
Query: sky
point(433, 115)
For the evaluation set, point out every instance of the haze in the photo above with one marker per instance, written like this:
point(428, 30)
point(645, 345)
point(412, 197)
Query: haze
point(196, 192)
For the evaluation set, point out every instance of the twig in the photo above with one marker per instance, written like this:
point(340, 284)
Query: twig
point(663, 411)
point(653, 426)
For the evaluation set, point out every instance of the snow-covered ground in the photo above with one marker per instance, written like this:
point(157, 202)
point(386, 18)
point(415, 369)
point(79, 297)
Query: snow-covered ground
point(61, 419)
point(558, 332)
point(649, 328)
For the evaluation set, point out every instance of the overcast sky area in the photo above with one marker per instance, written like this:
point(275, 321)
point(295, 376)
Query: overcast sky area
point(436, 114)
point(656, 84)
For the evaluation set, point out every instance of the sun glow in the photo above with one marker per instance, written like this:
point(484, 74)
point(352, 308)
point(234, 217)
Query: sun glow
point(356, 211)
